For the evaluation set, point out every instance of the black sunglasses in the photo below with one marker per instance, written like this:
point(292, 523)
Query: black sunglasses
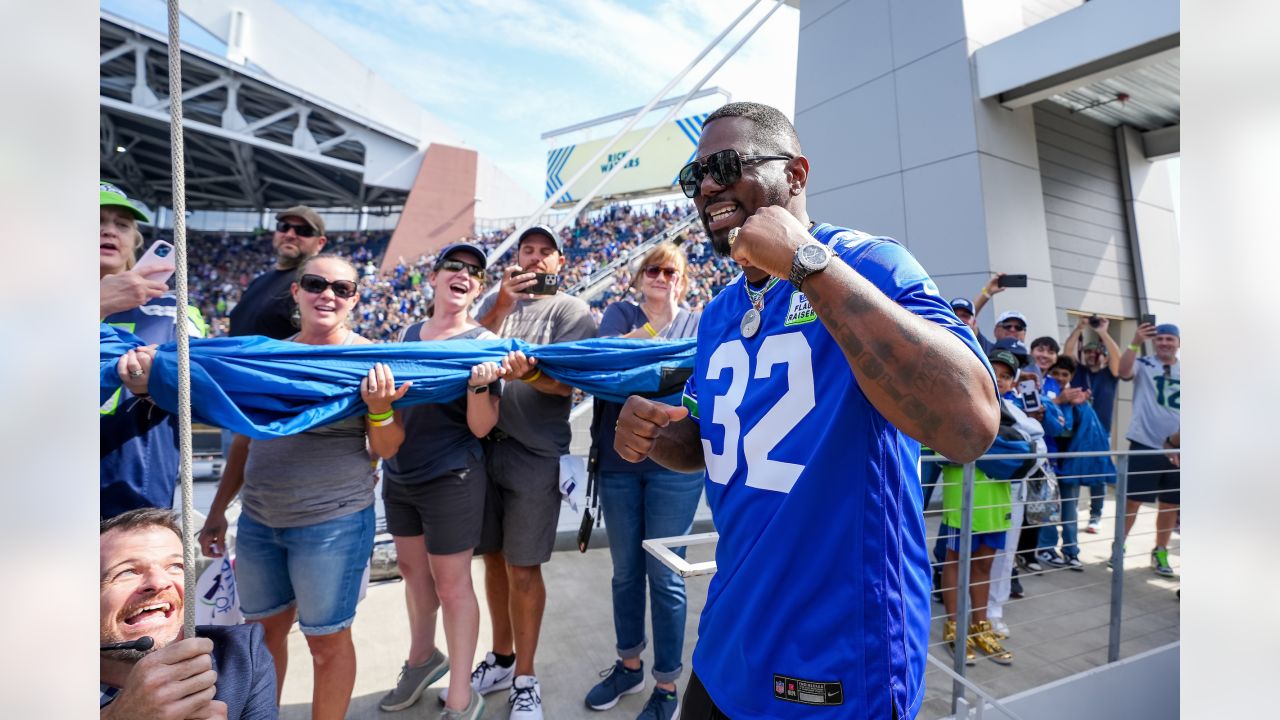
point(1013, 327)
point(301, 230)
point(725, 167)
point(315, 284)
point(653, 271)
point(474, 271)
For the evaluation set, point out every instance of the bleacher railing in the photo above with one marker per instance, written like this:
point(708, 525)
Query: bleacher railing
point(953, 665)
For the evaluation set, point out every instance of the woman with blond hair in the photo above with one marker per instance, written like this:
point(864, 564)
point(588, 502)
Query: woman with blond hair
point(645, 500)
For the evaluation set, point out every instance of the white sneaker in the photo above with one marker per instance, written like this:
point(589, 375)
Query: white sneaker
point(525, 699)
point(487, 677)
point(999, 626)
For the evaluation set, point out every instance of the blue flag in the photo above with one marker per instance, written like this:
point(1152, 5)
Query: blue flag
point(267, 388)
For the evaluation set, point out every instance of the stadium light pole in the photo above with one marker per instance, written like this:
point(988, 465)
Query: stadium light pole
point(555, 194)
point(619, 165)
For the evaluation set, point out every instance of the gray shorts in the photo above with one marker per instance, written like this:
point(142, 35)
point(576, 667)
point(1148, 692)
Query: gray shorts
point(448, 509)
point(522, 507)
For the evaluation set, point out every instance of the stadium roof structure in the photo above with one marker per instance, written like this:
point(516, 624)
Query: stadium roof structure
point(252, 141)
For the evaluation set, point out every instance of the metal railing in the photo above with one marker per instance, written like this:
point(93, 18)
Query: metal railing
point(956, 670)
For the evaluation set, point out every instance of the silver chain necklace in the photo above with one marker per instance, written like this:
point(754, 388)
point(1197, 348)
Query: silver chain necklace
point(750, 324)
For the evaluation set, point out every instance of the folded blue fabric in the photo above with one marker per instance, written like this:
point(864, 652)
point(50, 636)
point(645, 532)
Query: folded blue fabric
point(267, 388)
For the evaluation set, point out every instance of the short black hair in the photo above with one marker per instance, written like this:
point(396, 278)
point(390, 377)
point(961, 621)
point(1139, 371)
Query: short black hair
point(773, 131)
point(1046, 341)
point(1065, 363)
point(141, 518)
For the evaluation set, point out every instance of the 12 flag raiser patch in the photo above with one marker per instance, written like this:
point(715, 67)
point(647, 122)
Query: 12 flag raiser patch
point(808, 692)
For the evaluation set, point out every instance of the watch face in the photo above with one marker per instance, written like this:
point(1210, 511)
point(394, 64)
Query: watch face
point(813, 255)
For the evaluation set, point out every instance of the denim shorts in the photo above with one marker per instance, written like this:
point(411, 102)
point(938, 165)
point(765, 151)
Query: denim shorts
point(318, 568)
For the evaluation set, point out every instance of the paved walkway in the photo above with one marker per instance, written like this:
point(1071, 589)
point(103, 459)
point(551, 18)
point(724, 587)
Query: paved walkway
point(1059, 629)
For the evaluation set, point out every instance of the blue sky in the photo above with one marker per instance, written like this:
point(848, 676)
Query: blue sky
point(502, 72)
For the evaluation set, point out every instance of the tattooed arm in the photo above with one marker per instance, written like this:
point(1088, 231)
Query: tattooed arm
point(917, 374)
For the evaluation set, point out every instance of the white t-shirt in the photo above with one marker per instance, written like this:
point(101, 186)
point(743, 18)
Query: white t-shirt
point(1157, 401)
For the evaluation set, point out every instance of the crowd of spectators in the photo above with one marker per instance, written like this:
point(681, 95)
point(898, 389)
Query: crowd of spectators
point(222, 264)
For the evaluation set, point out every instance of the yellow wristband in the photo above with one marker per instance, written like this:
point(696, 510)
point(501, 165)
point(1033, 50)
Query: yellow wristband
point(986, 294)
point(1135, 347)
point(382, 423)
point(649, 329)
point(537, 374)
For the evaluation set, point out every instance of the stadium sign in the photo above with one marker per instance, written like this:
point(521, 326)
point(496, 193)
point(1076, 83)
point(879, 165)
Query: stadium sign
point(652, 169)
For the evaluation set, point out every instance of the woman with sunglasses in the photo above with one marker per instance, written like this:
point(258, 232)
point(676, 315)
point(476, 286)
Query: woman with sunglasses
point(434, 489)
point(306, 529)
point(645, 500)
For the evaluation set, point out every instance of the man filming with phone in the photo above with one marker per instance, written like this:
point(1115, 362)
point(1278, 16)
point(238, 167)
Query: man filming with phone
point(522, 456)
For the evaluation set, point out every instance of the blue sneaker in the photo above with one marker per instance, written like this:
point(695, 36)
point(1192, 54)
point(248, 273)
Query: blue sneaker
point(618, 681)
point(662, 705)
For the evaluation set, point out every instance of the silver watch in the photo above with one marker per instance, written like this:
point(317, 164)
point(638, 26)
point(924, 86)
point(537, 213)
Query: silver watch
point(810, 258)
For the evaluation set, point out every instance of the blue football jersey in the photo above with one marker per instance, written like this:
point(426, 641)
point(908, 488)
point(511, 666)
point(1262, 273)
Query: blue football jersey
point(820, 603)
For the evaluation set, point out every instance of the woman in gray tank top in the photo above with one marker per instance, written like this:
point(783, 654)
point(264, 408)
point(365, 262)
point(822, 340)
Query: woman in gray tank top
point(433, 491)
point(306, 530)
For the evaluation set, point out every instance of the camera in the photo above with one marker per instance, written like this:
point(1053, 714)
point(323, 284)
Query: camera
point(1094, 321)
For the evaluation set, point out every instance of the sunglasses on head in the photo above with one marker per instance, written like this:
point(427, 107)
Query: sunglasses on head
point(653, 271)
point(474, 271)
point(315, 284)
point(301, 230)
point(725, 167)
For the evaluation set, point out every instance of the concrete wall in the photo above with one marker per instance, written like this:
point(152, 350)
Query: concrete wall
point(440, 208)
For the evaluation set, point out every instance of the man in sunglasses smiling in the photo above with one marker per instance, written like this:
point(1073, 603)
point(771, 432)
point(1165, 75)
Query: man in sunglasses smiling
point(818, 373)
point(266, 307)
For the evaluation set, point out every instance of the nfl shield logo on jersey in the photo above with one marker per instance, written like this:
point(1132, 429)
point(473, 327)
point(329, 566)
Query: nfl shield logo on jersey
point(779, 687)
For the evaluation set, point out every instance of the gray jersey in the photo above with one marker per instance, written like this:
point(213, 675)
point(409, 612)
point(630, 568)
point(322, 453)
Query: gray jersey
point(538, 420)
point(1157, 401)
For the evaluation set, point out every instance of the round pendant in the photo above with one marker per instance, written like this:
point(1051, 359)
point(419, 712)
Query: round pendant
point(750, 323)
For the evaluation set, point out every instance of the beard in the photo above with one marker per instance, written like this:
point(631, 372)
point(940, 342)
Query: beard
point(773, 195)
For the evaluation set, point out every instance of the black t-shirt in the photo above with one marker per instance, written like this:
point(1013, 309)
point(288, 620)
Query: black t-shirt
point(266, 307)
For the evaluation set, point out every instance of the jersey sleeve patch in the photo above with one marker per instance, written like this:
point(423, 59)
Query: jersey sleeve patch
point(690, 399)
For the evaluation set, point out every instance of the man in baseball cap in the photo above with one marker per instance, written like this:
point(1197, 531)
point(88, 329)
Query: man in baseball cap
point(1011, 323)
point(542, 231)
point(266, 307)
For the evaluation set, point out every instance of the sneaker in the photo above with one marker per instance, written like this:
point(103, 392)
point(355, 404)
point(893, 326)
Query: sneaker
point(1092, 527)
point(949, 637)
point(1075, 564)
point(1160, 562)
point(618, 681)
point(662, 705)
point(488, 677)
point(413, 680)
point(986, 641)
point(1029, 563)
point(1123, 550)
point(474, 710)
point(525, 699)
point(1000, 628)
point(937, 585)
point(1015, 589)
point(1050, 558)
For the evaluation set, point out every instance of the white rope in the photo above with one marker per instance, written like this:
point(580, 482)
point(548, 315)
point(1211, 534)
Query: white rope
point(178, 157)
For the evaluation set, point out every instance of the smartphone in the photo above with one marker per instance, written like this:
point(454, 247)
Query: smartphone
point(1012, 281)
point(1147, 319)
point(1030, 395)
point(159, 256)
point(545, 284)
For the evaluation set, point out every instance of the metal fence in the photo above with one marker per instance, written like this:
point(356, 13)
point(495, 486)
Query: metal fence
point(1063, 620)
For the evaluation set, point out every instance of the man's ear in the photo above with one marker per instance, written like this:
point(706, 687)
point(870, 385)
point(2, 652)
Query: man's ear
point(797, 174)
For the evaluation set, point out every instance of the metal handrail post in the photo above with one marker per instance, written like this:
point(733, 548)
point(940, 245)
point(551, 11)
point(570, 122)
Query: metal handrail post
point(962, 585)
point(1117, 556)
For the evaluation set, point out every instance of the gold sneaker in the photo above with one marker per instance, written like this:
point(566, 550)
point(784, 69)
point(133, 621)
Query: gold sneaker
point(949, 636)
point(981, 635)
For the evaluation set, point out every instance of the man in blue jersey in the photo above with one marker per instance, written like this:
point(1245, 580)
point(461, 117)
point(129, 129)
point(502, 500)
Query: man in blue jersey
point(819, 372)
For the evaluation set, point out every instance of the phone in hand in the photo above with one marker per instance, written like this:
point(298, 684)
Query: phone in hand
point(1094, 321)
point(1147, 319)
point(544, 284)
point(1030, 395)
point(1009, 281)
point(160, 257)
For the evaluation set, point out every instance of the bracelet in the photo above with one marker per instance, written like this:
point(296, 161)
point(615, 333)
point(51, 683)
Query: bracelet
point(1135, 347)
point(536, 374)
point(649, 329)
point(986, 294)
point(382, 416)
point(382, 423)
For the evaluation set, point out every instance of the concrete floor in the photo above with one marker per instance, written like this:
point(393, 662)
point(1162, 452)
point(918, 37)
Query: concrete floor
point(1059, 629)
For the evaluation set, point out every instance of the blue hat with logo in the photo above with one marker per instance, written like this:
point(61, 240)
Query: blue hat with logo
point(472, 248)
point(1015, 347)
point(1168, 329)
point(962, 304)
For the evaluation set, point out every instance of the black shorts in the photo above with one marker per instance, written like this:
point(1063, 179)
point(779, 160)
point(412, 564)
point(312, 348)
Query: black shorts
point(448, 509)
point(1153, 478)
point(522, 507)
point(697, 704)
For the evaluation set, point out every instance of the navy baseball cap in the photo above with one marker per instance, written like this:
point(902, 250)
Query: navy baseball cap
point(472, 248)
point(962, 304)
point(1168, 329)
point(1014, 347)
point(543, 230)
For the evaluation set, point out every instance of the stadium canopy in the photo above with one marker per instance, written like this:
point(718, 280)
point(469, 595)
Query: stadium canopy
point(252, 141)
